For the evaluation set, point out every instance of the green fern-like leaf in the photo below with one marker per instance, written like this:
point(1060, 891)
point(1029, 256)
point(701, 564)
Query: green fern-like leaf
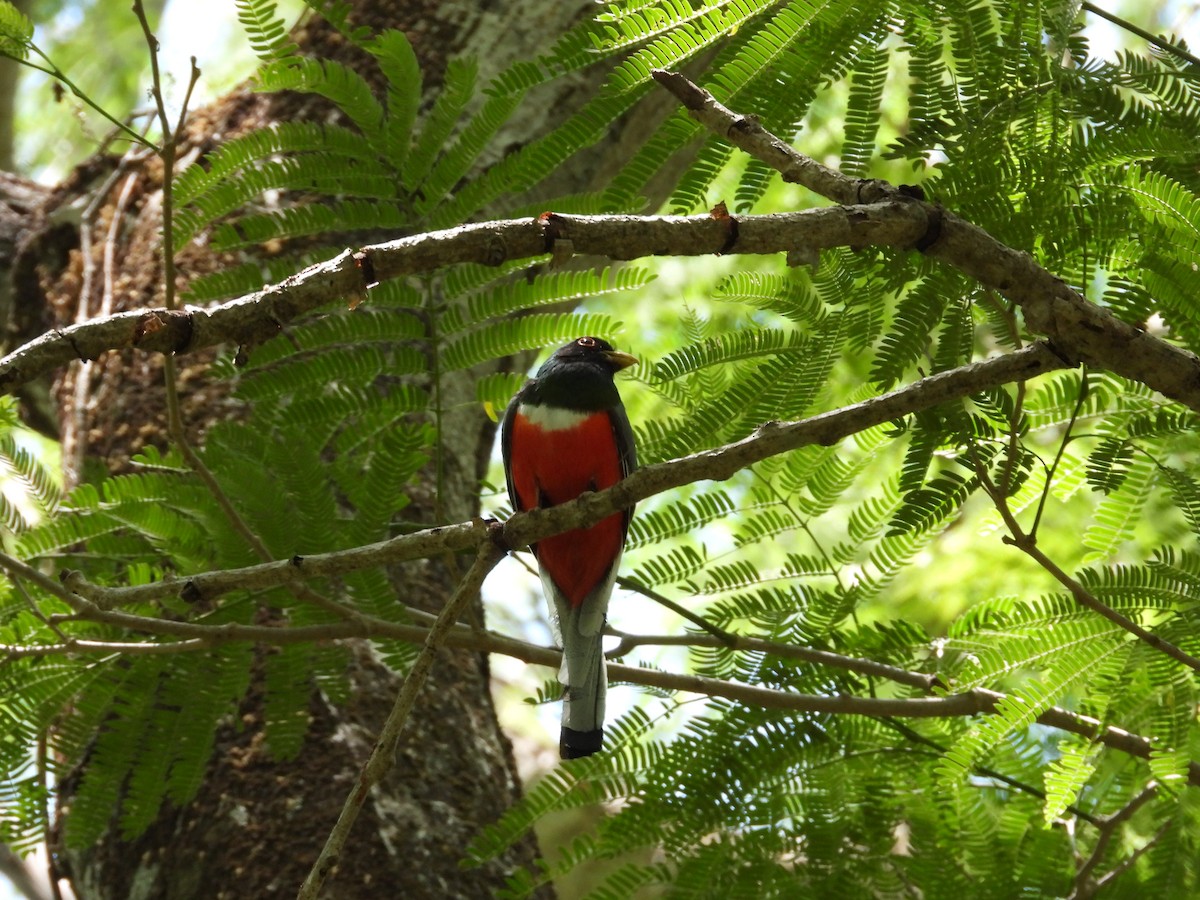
point(555, 287)
point(457, 89)
point(653, 526)
point(727, 348)
point(457, 159)
point(350, 215)
point(1120, 511)
point(266, 32)
point(788, 296)
point(1020, 708)
point(1186, 492)
point(862, 114)
point(933, 503)
point(279, 138)
point(16, 32)
point(398, 62)
point(331, 80)
point(511, 335)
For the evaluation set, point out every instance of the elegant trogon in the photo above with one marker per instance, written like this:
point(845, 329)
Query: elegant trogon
point(564, 433)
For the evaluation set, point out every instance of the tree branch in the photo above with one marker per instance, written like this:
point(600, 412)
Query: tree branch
point(730, 641)
point(774, 438)
point(257, 317)
point(978, 700)
point(1131, 860)
point(1156, 40)
point(723, 636)
point(1077, 329)
point(209, 585)
point(1027, 544)
point(525, 528)
point(917, 738)
point(383, 754)
point(1085, 884)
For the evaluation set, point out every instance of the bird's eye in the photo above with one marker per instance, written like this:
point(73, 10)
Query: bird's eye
point(586, 342)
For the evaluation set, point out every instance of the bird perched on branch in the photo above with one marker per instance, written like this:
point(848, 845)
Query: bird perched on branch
point(564, 433)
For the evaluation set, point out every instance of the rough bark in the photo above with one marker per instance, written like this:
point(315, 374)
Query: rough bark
point(257, 823)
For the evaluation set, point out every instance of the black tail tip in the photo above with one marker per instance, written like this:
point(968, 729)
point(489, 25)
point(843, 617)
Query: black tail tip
point(573, 744)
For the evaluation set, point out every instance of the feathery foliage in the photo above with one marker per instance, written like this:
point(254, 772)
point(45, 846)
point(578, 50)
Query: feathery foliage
point(738, 794)
point(1002, 112)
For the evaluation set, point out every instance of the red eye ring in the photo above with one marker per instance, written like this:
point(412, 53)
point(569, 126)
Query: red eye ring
point(586, 342)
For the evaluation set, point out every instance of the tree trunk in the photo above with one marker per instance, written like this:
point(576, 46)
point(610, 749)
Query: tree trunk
point(258, 823)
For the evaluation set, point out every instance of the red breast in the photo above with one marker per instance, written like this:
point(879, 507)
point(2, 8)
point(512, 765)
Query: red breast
point(556, 455)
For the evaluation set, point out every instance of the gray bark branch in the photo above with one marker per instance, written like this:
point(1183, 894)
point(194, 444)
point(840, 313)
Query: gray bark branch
point(1078, 331)
point(967, 703)
point(526, 528)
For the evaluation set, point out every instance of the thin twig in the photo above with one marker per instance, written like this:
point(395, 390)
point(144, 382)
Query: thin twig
point(34, 609)
point(1050, 307)
point(1131, 860)
point(1014, 440)
point(1145, 35)
point(76, 447)
point(746, 644)
point(975, 701)
point(60, 76)
point(1086, 598)
point(168, 154)
point(632, 584)
point(1080, 331)
point(1027, 544)
point(80, 647)
point(383, 754)
point(1062, 448)
point(1085, 885)
point(194, 636)
point(43, 767)
point(917, 738)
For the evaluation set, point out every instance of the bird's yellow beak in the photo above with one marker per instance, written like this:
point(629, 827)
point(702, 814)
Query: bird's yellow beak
point(620, 360)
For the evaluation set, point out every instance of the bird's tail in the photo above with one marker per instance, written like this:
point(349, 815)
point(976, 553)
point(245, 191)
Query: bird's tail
point(584, 679)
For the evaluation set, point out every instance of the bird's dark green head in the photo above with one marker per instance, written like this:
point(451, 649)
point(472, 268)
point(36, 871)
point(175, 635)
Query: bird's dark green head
point(579, 375)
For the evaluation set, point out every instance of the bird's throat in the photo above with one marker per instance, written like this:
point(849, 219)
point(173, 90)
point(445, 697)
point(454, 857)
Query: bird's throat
point(552, 418)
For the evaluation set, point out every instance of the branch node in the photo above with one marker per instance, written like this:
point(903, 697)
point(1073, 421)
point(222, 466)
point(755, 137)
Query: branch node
point(684, 91)
point(873, 190)
point(1068, 358)
point(149, 324)
point(496, 251)
point(495, 534)
point(364, 264)
point(935, 215)
point(745, 124)
point(720, 213)
point(70, 339)
point(553, 230)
